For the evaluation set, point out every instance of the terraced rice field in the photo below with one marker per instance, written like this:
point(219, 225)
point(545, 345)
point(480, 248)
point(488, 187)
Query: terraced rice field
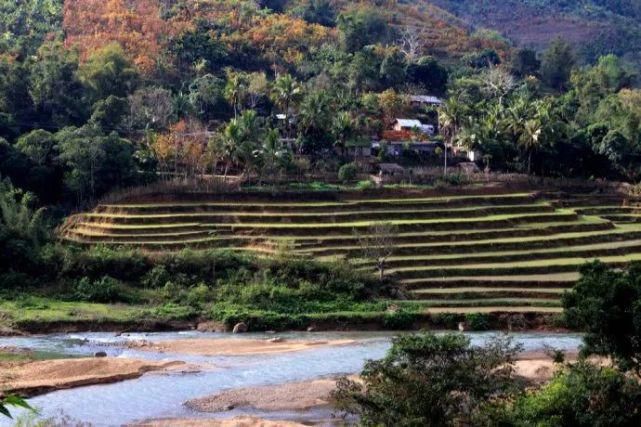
point(515, 252)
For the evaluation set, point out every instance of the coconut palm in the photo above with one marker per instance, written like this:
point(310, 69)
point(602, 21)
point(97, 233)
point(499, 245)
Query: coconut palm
point(285, 92)
point(236, 89)
point(343, 129)
point(530, 140)
point(451, 115)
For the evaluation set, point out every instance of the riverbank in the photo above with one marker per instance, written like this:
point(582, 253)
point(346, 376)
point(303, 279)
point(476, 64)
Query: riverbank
point(47, 316)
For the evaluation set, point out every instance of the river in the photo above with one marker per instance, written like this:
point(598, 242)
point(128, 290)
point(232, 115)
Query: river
point(161, 395)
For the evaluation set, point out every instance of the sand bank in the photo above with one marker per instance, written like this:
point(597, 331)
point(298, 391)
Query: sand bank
point(235, 422)
point(31, 378)
point(294, 396)
point(233, 347)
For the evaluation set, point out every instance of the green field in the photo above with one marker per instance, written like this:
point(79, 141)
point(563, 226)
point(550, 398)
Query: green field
point(515, 252)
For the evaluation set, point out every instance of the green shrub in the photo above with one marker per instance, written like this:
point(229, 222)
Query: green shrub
point(446, 320)
point(198, 296)
point(364, 185)
point(155, 278)
point(105, 290)
point(583, 395)
point(171, 311)
point(348, 172)
point(478, 321)
point(399, 320)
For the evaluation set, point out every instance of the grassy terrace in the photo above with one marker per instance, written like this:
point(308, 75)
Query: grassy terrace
point(486, 253)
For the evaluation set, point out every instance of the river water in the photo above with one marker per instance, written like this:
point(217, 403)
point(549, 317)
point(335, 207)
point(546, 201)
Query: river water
point(162, 395)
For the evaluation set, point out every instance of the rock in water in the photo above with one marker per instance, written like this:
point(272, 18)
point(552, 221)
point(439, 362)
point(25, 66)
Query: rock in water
point(100, 354)
point(240, 328)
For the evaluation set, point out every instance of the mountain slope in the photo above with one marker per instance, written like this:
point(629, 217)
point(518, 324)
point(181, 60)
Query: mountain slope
point(594, 27)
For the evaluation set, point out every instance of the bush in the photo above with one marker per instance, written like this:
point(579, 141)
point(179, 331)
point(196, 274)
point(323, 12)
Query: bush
point(478, 321)
point(399, 320)
point(606, 304)
point(155, 278)
point(105, 290)
point(430, 380)
point(348, 172)
point(198, 296)
point(583, 395)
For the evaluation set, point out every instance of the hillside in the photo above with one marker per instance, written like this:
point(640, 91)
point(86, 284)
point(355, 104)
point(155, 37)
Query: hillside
point(595, 27)
point(514, 252)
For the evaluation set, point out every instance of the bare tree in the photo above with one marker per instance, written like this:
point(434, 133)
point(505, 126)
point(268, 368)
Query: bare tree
point(150, 108)
point(410, 42)
point(378, 244)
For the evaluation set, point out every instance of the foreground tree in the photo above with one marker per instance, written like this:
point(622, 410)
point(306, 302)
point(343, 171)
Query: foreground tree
point(606, 304)
point(377, 244)
point(14, 401)
point(430, 380)
point(582, 395)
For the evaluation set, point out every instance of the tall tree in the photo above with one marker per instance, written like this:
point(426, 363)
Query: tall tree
point(286, 91)
point(557, 64)
point(107, 72)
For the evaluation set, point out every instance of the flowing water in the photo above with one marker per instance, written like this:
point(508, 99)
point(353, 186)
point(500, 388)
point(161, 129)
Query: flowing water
point(161, 395)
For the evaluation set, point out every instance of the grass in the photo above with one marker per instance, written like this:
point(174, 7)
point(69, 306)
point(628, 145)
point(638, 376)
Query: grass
point(489, 310)
point(36, 309)
point(489, 302)
point(553, 291)
point(557, 277)
point(346, 202)
point(574, 250)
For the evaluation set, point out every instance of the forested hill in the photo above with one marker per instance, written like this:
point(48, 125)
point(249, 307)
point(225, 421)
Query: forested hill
point(595, 27)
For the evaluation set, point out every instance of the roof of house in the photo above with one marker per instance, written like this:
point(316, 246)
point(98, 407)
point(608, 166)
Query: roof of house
point(409, 123)
point(426, 99)
point(390, 167)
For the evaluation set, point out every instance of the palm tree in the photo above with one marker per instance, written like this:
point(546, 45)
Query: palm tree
point(342, 130)
point(285, 91)
point(236, 89)
point(451, 115)
point(530, 140)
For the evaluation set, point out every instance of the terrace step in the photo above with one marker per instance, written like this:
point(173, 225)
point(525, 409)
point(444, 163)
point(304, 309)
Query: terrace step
point(313, 218)
point(488, 293)
point(483, 302)
point(489, 222)
point(528, 253)
point(560, 280)
point(560, 265)
point(493, 310)
point(321, 206)
point(550, 241)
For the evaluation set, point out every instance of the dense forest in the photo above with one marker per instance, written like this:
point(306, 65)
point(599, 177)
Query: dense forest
point(101, 95)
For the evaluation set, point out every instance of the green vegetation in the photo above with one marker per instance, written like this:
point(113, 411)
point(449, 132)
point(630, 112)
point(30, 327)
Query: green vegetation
point(429, 380)
point(607, 304)
point(513, 252)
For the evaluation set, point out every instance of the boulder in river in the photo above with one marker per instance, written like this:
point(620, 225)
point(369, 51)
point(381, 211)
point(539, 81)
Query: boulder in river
point(240, 328)
point(100, 354)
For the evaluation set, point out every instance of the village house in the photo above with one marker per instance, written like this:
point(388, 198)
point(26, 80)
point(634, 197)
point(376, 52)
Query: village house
point(412, 125)
point(419, 101)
